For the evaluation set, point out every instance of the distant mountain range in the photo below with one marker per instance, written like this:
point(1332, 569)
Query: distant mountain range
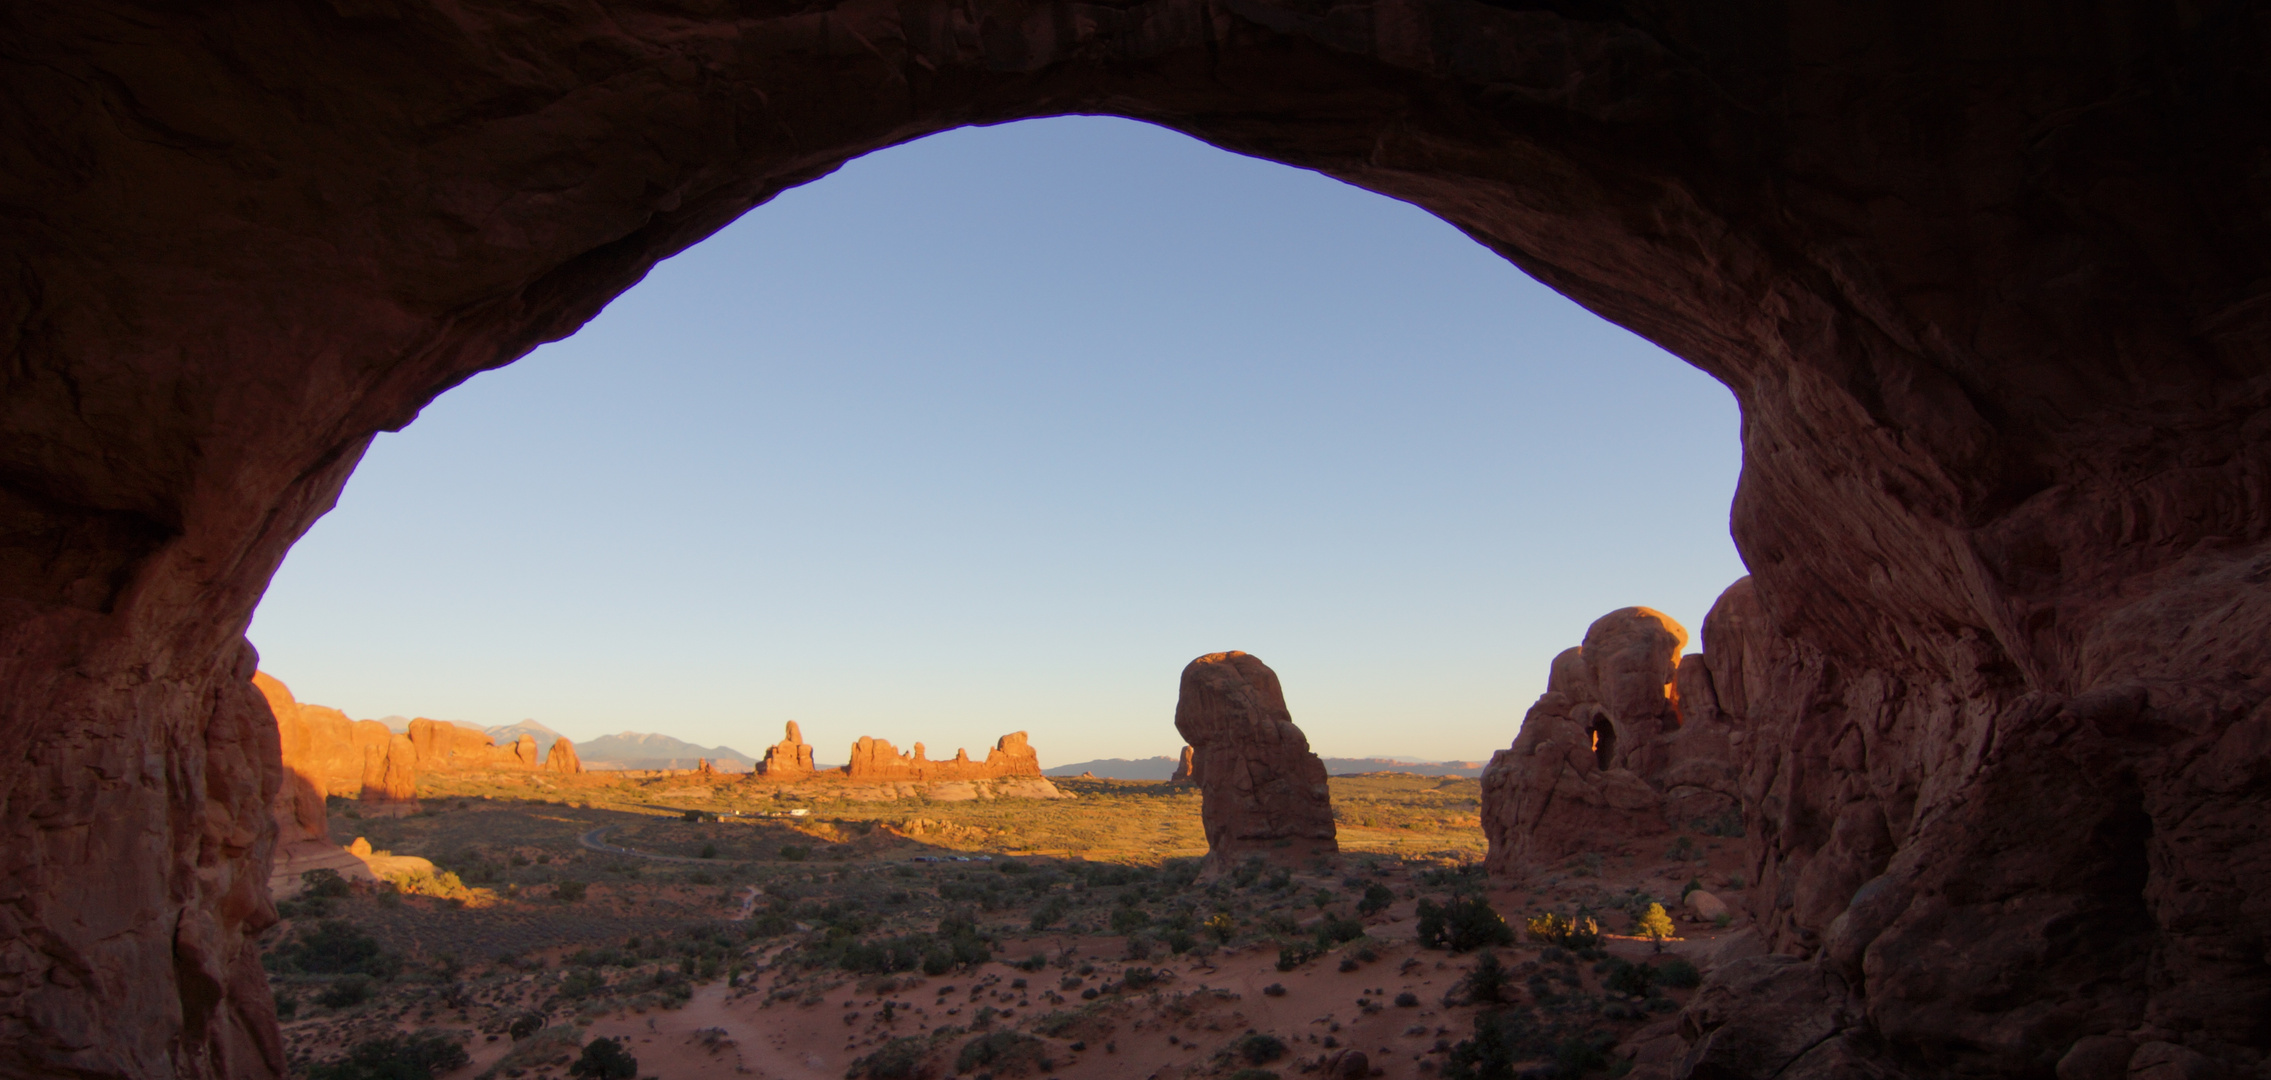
point(633, 750)
point(1162, 768)
point(1150, 768)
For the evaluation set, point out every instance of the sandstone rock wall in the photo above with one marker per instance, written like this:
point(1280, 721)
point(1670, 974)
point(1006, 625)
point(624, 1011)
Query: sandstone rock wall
point(1991, 282)
point(563, 759)
point(1614, 749)
point(1261, 791)
point(1186, 771)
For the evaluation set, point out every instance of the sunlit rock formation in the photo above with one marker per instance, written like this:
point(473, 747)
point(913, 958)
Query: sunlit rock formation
point(562, 759)
point(789, 759)
point(1262, 792)
point(1606, 754)
point(875, 760)
point(1185, 771)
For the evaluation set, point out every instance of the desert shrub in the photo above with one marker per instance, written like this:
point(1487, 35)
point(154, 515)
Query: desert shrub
point(394, 1057)
point(795, 852)
point(898, 1059)
point(1582, 1053)
point(1462, 924)
point(335, 947)
point(1728, 824)
point(1221, 925)
point(525, 1025)
point(709, 851)
point(1678, 974)
point(1485, 983)
point(1137, 978)
point(1259, 1049)
point(1051, 912)
point(1274, 990)
point(1580, 931)
point(1253, 1074)
point(1332, 931)
point(1128, 920)
point(1409, 1000)
point(1012, 866)
point(1295, 954)
point(583, 983)
point(1035, 962)
point(568, 892)
point(1377, 897)
point(1001, 1052)
point(324, 883)
point(1463, 878)
point(353, 990)
point(287, 1006)
point(605, 1059)
point(1682, 850)
point(1629, 979)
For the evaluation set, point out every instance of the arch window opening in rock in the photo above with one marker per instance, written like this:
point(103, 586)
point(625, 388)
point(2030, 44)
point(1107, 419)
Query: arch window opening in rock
point(1604, 742)
point(994, 431)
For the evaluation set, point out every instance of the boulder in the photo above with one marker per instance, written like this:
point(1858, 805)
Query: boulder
point(563, 759)
point(1262, 792)
point(1704, 906)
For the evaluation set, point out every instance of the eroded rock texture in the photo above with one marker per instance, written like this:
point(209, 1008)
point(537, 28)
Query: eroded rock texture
point(876, 760)
point(789, 759)
point(562, 758)
point(1992, 283)
point(1606, 754)
point(1261, 791)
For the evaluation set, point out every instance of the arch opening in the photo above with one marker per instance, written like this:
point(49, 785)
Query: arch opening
point(1604, 742)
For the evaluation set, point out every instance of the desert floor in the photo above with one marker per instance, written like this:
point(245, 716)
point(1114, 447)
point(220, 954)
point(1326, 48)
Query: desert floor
point(1068, 938)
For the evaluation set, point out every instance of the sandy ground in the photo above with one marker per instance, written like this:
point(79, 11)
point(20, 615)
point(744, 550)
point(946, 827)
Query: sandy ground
point(734, 1033)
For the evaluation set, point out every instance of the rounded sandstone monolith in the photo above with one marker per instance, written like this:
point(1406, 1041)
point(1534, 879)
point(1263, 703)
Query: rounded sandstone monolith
point(1263, 793)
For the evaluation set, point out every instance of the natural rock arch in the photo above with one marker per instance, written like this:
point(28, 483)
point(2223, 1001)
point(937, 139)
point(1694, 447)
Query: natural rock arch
point(1988, 280)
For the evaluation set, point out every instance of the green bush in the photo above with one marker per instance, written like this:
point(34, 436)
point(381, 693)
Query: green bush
point(898, 1059)
point(1485, 983)
point(394, 1057)
point(795, 852)
point(1295, 954)
point(1259, 1049)
point(1678, 974)
point(349, 991)
point(1377, 897)
point(1462, 924)
point(1629, 979)
point(336, 947)
point(605, 1059)
point(568, 891)
point(1001, 1051)
point(325, 884)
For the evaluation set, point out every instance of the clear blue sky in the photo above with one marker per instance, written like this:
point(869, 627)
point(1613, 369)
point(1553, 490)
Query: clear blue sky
point(997, 431)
